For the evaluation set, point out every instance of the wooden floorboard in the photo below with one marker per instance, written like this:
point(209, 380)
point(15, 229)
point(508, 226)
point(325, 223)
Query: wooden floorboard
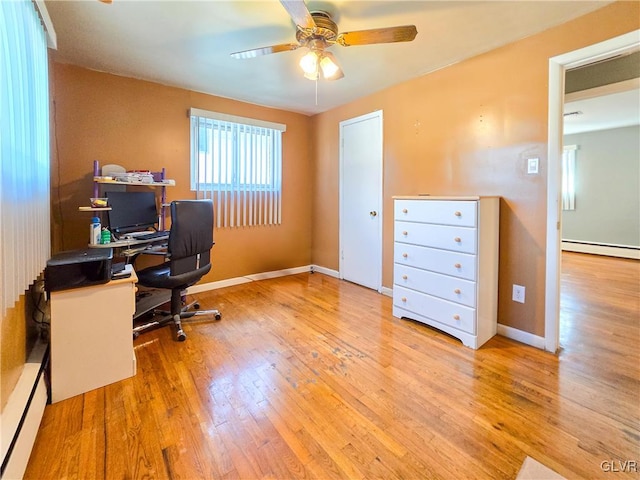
point(310, 377)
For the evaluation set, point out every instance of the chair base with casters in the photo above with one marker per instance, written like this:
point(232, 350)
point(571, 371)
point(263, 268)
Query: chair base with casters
point(179, 311)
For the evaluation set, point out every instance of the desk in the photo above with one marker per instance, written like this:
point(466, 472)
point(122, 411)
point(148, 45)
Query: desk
point(130, 247)
point(148, 298)
point(91, 336)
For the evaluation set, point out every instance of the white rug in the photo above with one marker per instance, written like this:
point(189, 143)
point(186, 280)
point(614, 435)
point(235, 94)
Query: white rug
point(534, 470)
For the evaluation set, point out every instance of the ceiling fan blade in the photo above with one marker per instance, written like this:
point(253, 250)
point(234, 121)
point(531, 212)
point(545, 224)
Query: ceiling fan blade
point(256, 52)
point(405, 33)
point(299, 13)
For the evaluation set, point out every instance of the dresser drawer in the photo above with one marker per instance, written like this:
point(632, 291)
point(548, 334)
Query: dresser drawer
point(443, 286)
point(448, 313)
point(441, 261)
point(457, 239)
point(445, 212)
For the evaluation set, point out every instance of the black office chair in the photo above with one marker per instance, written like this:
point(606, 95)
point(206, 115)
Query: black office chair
point(188, 260)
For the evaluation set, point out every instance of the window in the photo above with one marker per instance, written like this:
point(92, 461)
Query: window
point(237, 162)
point(25, 230)
point(569, 177)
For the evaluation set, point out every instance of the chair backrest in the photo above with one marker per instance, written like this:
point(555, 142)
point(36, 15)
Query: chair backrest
point(191, 235)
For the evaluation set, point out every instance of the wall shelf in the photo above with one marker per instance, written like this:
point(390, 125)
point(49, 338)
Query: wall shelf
point(94, 209)
point(99, 179)
point(164, 183)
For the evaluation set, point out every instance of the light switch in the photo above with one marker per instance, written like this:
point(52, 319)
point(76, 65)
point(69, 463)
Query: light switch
point(532, 165)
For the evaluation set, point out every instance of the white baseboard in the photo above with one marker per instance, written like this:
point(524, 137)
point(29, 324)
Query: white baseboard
point(279, 273)
point(21, 416)
point(521, 336)
point(387, 291)
point(326, 271)
point(203, 287)
point(597, 249)
point(230, 282)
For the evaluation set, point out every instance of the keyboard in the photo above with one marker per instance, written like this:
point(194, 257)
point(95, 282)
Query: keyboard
point(152, 235)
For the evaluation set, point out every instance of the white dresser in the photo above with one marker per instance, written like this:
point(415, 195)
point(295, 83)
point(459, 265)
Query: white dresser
point(446, 264)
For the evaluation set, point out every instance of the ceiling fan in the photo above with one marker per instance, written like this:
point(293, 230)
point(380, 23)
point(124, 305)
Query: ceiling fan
point(317, 31)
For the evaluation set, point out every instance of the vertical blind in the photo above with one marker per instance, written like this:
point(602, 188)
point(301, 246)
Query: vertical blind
point(569, 177)
point(237, 163)
point(25, 244)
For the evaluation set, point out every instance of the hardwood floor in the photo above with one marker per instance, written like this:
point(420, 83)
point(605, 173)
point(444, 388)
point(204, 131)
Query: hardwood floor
point(307, 376)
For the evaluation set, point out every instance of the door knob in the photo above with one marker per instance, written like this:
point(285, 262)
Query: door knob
point(373, 213)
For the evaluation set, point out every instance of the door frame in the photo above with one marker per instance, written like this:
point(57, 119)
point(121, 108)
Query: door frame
point(378, 241)
point(557, 67)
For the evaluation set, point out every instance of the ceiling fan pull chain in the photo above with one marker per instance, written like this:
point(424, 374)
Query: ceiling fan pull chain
point(317, 90)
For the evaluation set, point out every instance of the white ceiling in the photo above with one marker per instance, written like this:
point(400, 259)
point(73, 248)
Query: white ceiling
point(187, 43)
point(616, 110)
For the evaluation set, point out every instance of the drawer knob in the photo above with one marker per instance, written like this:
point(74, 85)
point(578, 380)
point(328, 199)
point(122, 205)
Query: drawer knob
point(405, 255)
point(404, 277)
point(458, 214)
point(457, 239)
point(457, 265)
point(404, 210)
point(404, 299)
point(405, 233)
point(456, 317)
point(457, 291)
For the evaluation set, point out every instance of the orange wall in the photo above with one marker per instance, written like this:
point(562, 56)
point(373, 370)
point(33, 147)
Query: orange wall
point(18, 334)
point(468, 130)
point(13, 354)
point(143, 125)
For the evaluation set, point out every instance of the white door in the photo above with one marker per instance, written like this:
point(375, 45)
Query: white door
point(361, 200)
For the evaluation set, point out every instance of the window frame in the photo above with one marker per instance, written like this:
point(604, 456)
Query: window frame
point(568, 190)
point(235, 164)
point(239, 204)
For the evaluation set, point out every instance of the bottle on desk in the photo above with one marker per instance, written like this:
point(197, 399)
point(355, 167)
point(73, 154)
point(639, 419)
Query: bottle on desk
point(94, 231)
point(105, 237)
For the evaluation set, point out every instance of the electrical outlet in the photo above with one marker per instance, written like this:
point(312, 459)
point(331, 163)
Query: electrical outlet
point(532, 166)
point(518, 293)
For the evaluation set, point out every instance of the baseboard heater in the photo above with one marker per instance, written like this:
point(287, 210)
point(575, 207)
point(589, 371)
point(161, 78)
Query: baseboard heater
point(607, 249)
point(22, 414)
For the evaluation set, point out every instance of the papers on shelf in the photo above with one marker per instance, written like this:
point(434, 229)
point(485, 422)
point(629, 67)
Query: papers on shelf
point(107, 179)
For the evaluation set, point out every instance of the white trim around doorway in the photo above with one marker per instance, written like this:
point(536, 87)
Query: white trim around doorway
point(557, 66)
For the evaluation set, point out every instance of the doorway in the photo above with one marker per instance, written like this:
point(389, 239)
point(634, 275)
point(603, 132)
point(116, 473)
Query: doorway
point(361, 200)
point(557, 67)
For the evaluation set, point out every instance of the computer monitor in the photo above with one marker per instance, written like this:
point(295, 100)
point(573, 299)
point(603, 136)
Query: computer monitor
point(131, 211)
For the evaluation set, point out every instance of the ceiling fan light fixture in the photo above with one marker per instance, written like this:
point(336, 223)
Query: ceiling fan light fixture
point(312, 75)
point(309, 64)
point(328, 66)
point(317, 31)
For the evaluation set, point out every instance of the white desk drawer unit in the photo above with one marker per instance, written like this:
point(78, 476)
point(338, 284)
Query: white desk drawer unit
point(446, 264)
point(92, 337)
